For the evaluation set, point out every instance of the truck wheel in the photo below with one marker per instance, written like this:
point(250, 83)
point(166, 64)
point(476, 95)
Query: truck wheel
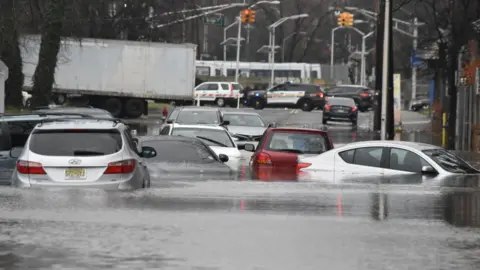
point(60, 99)
point(28, 103)
point(220, 102)
point(114, 106)
point(306, 105)
point(258, 104)
point(134, 108)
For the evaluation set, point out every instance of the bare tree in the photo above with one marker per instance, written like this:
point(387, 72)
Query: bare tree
point(10, 52)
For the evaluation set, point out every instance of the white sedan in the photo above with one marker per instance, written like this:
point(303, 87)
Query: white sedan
point(381, 159)
point(216, 137)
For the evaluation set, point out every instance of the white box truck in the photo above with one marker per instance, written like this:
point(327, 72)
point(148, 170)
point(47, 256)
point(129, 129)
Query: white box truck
point(117, 75)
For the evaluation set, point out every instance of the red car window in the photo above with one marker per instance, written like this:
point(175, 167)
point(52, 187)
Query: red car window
point(297, 142)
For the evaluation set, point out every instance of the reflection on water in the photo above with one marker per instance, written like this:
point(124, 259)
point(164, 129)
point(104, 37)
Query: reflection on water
point(379, 206)
point(462, 209)
point(169, 226)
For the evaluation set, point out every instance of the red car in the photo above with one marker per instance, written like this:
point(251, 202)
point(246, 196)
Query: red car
point(275, 157)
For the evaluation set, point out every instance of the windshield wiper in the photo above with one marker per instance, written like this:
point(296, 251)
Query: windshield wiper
point(289, 150)
point(212, 141)
point(87, 153)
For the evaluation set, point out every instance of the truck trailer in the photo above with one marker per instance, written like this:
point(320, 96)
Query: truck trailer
point(117, 75)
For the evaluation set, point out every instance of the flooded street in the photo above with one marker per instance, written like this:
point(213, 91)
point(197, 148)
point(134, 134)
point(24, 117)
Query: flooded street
point(240, 225)
point(373, 223)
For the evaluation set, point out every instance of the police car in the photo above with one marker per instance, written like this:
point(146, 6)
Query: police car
point(293, 95)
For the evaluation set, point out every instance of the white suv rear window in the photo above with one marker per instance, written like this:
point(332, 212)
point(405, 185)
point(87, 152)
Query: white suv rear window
point(76, 142)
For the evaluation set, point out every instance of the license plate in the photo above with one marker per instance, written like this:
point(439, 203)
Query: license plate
point(75, 174)
point(340, 111)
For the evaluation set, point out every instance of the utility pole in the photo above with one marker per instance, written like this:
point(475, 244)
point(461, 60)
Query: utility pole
point(414, 58)
point(390, 96)
point(378, 64)
point(385, 72)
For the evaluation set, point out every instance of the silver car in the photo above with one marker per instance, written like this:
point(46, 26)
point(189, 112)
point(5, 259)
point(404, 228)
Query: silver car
point(85, 153)
point(245, 127)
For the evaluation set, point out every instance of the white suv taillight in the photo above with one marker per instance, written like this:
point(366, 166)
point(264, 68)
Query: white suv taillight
point(29, 167)
point(121, 167)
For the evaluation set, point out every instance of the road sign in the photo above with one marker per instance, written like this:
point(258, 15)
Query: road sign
point(217, 19)
point(415, 60)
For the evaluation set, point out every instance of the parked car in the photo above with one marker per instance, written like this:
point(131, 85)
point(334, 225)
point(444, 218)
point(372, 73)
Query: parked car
point(364, 97)
point(94, 112)
point(183, 158)
point(193, 115)
point(83, 153)
point(275, 157)
point(382, 159)
point(245, 127)
point(14, 132)
point(340, 109)
point(216, 137)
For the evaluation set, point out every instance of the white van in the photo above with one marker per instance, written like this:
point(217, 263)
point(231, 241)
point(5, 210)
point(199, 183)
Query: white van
point(219, 93)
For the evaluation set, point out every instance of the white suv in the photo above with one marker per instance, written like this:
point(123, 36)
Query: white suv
point(80, 152)
point(219, 93)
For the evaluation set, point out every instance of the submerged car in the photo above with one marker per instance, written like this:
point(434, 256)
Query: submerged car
point(275, 157)
point(380, 159)
point(82, 153)
point(216, 137)
point(183, 158)
point(245, 126)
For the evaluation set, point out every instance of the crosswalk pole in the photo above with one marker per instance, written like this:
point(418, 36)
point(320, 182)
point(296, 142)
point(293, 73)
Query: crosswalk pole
point(238, 102)
point(198, 101)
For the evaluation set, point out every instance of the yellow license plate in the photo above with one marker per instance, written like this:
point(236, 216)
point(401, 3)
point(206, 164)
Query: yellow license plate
point(75, 174)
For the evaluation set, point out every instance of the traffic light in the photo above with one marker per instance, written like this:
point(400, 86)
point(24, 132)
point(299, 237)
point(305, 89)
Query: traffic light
point(341, 19)
point(348, 17)
point(244, 15)
point(251, 17)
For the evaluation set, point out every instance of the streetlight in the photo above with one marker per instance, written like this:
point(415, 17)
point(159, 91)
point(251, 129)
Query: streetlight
point(239, 33)
point(332, 45)
point(202, 14)
point(285, 39)
point(272, 40)
point(363, 72)
point(225, 38)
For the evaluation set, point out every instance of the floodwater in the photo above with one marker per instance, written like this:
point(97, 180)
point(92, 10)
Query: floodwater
point(243, 225)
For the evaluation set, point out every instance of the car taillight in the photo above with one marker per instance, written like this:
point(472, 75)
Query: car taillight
point(354, 109)
point(320, 94)
point(29, 167)
point(365, 94)
point(263, 158)
point(302, 166)
point(120, 167)
point(327, 107)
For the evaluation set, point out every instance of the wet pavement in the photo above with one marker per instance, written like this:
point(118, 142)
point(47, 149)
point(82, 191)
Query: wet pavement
point(241, 224)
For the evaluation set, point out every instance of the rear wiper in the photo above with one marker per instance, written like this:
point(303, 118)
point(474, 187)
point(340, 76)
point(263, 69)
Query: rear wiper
point(212, 141)
point(87, 153)
point(289, 150)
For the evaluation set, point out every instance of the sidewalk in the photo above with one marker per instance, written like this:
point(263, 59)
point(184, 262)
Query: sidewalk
point(414, 118)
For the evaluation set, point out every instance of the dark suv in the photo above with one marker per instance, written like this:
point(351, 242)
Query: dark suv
point(363, 96)
point(294, 95)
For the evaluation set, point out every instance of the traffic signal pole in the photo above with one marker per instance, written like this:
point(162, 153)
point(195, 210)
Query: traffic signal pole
point(378, 65)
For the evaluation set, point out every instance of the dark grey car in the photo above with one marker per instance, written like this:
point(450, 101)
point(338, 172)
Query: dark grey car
point(182, 158)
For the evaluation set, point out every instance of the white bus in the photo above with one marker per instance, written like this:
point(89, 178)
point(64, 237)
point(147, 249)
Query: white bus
point(282, 71)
